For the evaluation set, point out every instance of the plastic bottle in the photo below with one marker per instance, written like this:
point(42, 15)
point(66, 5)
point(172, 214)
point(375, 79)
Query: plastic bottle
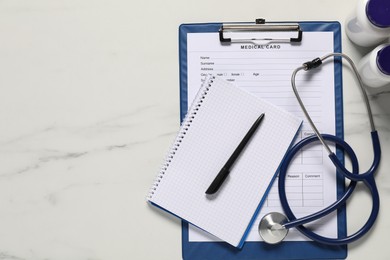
point(374, 68)
point(369, 23)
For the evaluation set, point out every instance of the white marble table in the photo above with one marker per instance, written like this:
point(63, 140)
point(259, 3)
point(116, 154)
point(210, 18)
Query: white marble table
point(89, 104)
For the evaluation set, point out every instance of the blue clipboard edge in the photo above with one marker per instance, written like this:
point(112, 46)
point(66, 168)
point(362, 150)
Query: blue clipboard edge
point(260, 250)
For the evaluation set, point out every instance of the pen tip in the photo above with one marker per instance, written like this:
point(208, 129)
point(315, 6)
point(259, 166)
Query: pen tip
point(260, 118)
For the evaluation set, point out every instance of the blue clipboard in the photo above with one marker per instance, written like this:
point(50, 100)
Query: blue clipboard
point(261, 250)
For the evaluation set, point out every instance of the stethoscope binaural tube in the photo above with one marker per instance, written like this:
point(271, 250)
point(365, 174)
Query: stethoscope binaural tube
point(374, 135)
point(298, 223)
point(367, 178)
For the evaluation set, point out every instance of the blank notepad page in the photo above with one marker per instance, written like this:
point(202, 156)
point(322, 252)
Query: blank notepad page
point(218, 119)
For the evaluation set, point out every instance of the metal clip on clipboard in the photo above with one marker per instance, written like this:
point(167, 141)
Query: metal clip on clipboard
point(260, 26)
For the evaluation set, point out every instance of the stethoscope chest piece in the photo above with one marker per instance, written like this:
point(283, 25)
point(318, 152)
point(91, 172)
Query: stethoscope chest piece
point(271, 228)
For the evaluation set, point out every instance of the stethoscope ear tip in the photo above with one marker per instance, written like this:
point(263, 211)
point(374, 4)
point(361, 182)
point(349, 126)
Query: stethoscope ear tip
point(271, 228)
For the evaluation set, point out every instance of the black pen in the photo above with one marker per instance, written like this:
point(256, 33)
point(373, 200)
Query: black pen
point(224, 172)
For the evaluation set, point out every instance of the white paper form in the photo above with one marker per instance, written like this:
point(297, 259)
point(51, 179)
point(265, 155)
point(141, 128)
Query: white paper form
point(265, 71)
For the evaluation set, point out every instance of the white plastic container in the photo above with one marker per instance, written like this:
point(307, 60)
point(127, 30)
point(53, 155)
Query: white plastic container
point(374, 68)
point(369, 23)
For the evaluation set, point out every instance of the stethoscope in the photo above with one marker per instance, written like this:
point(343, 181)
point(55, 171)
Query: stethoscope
point(273, 227)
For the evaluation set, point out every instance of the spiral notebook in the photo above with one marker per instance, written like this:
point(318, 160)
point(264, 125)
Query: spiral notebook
point(216, 122)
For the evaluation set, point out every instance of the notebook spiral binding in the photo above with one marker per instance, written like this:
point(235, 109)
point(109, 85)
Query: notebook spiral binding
point(187, 121)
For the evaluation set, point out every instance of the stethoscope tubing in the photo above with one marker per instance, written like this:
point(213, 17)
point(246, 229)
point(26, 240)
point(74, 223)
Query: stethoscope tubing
point(374, 166)
point(298, 223)
point(282, 177)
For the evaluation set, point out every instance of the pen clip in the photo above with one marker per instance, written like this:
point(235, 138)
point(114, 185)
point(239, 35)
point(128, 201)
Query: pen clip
point(260, 26)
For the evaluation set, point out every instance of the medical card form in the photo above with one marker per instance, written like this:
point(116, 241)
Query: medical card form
point(265, 70)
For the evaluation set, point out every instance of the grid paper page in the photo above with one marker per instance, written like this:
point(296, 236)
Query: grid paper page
point(224, 117)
